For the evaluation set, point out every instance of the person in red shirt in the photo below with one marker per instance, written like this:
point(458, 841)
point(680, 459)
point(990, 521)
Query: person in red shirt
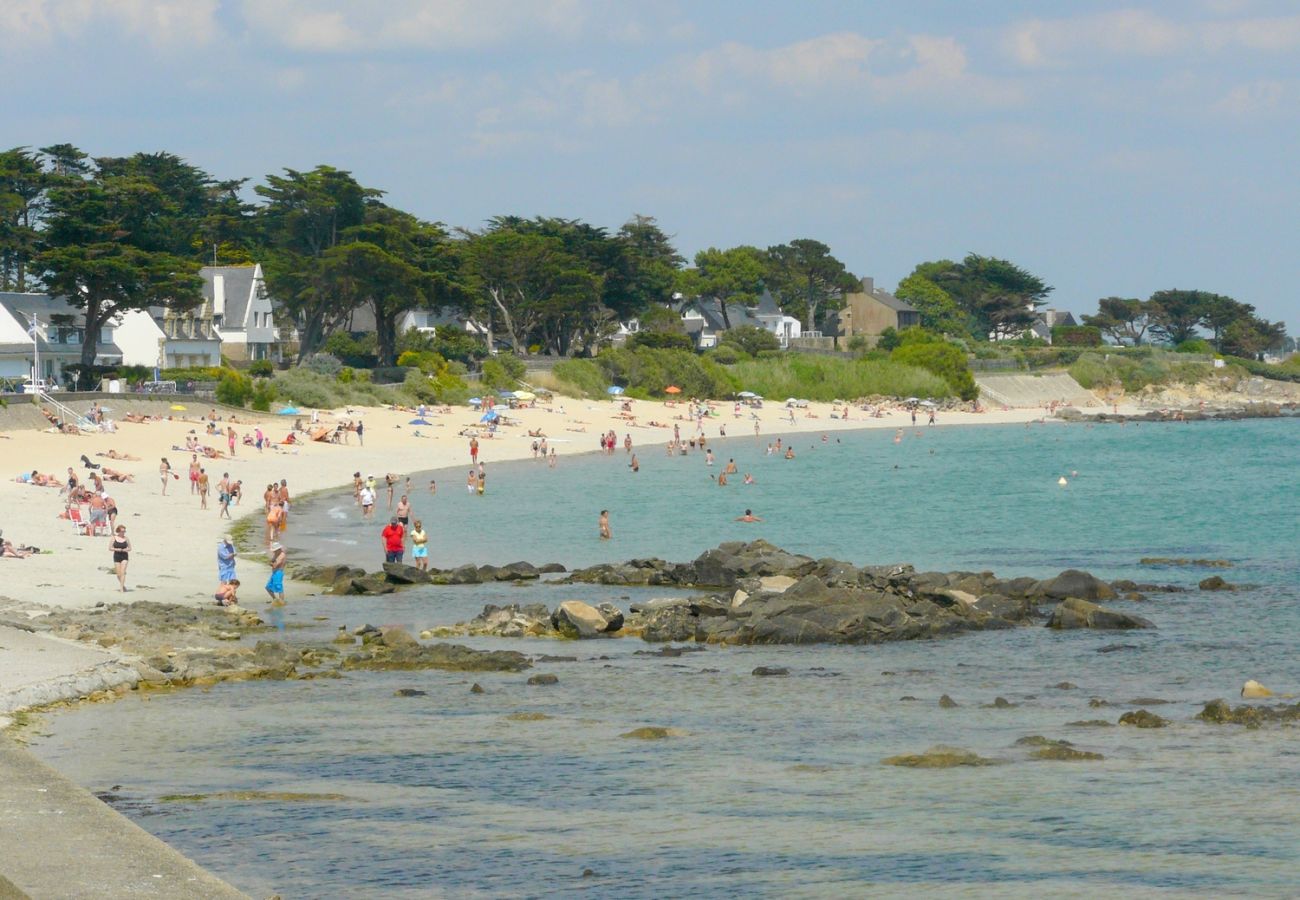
point(394, 536)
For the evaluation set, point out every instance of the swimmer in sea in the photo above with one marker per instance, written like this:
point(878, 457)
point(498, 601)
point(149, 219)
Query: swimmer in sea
point(789, 453)
point(605, 533)
point(748, 517)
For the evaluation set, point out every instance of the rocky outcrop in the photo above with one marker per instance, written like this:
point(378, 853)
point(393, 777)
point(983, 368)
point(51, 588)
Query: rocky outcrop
point(1073, 583)
point(940, 757)
point(1141, 718)
point(391, 652)
point(1218, 712)
point(1216, 583)
point(576, 619)
point(1075, 613)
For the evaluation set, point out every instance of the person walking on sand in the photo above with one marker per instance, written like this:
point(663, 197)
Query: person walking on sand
point(203, 488)
point(231, 439)
point(165, 470)
point(223, 496)
point(394, 539)
point(121, 547)
point(226, 559)
point(420, 546)
point(275, 584)
point(605, 533)
point(473, 450)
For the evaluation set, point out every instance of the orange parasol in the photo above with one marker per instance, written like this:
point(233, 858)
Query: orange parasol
point(672, 389)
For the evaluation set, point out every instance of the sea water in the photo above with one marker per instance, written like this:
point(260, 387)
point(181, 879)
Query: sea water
point(775, 786)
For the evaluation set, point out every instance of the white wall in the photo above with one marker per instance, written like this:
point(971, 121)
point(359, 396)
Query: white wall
point(137, 335)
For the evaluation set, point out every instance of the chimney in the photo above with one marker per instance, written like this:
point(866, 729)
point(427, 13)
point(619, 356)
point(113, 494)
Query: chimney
point(219, 295)
point(868, 285)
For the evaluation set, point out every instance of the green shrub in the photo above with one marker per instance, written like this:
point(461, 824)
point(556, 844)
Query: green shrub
point(263, 394)
point(653, 370)
point(234, 389)
point(940, 357)
point(305, 387)
point(453, 343)
point(514, 367)
point(661, 340)
point(582, 376)
point(419, 386)
point(1076, 335)
point(1195, 345)
point(190, 373)
point(323, 364)
point(889, 339)
point(427, 361)
point(347, 375)
point(859, 343)
point(358, 352)
point(728, 354)
point(825, 378)
point(261, 368)
point(751, 339)
point(496, 375)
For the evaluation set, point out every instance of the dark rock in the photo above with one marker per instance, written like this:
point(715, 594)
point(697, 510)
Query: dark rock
point(1037, 740)
point(908, 699)
point(653, 733)
point(999, 703)
point(551, 568)
point(1115, 648)
point(1141, 718)
point(946, 702)
point(613, 616)
point(1098, 703)
point(1065, 686)
point(1218, 712)
point(369, 585)
point(466, 574)
point(1075, 613)
point(1073, 583)
point(768, 671)
point(1091, 723)
point(452, 657)
point(410, 692)
point(940, 757)
point(554, 659)
point(544, 678)
point(401, 573)
point(521, 571)
point(477, 688)
point(1066, 754)
point(1147, 701)
point(1182, 561)
point(1216, 583)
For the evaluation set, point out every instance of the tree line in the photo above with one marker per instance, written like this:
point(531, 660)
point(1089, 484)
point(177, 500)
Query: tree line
point(112, 234)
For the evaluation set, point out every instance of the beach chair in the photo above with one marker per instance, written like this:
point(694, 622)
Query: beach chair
point(74, 516)
point(98, 521)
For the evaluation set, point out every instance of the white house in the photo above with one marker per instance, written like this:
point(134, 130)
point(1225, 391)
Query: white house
point(241, 311)
point(702, 317)
point(59, 337)
point(166, 339)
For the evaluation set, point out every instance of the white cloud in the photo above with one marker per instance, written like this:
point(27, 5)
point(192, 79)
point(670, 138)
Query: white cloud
point(1140, 33)
point(1256, 97)
point(346, 25)
point(163, 23)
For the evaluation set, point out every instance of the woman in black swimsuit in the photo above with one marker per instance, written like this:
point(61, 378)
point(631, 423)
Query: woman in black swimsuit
point(121, 546)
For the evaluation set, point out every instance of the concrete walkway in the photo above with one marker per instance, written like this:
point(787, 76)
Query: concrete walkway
point(59, 840)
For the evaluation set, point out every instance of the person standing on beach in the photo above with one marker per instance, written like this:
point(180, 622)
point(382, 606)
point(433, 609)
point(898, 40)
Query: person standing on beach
point(605, 533)
point(473, 450)
point(420, 546)
point(284, 503)
point(361, 433)
point(226, 559)
point(275, 584)
point(223, 496)
point(394, 538)
point(165, 470)
point(195, 468)
point(258, 438)
point(203, 488)
point(121, 547)
point(230, 439)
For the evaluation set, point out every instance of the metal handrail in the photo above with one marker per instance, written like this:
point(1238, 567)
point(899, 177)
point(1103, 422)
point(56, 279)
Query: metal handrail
point(81, 421)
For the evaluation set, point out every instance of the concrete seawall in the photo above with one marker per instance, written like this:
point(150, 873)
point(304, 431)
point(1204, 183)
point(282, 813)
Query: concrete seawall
point(59, 840)
point(1021, 390)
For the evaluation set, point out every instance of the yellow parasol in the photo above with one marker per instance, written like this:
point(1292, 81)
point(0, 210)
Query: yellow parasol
point(178, 407)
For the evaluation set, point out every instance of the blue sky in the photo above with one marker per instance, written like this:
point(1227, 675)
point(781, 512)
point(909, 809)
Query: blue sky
point(1112, 149)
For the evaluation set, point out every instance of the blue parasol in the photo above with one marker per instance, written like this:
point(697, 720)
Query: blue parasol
point(290, 411)
point(418, 422)
point(613, 390)
point(489, 416)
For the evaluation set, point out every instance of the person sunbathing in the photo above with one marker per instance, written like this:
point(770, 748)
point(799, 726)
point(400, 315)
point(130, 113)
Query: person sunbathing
point(113, 454)
point(115, 475)
point(9, 551)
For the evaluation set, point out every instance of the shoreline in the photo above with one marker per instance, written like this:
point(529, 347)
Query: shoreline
point(185, 568)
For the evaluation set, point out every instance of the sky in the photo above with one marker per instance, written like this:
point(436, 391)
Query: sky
point(1111, 149)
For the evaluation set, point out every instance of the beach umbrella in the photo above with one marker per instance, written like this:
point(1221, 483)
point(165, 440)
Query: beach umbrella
point(525, 395)
point(672, 389)
point(927, 403)
point(613, 390)
point(289, 411)
point(507, 395)
point(178, 407)
point(747, 394)
point(418, 422)
point(475, 401)
point(489, 416)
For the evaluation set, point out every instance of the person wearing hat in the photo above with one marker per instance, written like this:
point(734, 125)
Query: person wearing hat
point(226, 559)
point(394, 536)
point(275, 584)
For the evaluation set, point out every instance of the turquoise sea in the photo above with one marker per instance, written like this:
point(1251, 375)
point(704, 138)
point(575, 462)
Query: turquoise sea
point(776, 787)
